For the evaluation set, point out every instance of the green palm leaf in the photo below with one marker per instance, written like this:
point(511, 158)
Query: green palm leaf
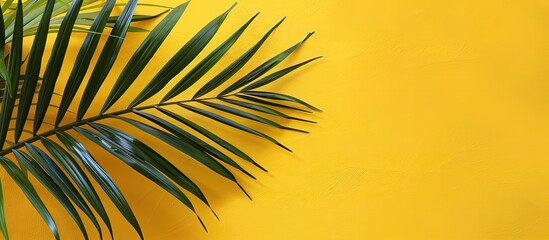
point(143, 55)
point(52, 151)
point(23, 182)
point(58, 176)
point(263, 68)
point(8, 101)
point(182, 58)
point(101, 177)
point(55, 63)
point(153, 158)
point(79, 177)
point(235, 66)
point(48, 182)
point(3, 69)
point(83, 61)
point(32, 72)
point(107, 58)
point(34, 9)
point(3, 224)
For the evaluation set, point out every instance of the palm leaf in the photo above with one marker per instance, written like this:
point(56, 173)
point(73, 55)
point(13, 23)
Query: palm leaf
point(3, 224)
point(31, 164)
point(34, 10)
point(143, 55)
point(107, 58)
point(55, 63)
point(21, 179)
point(58, 176)
point(3, 69)
point(183, 57)
point(84, 58)
point(52, 150)
point(32, 72)
point(8, 102)
point(235, 66)
point(79, 177)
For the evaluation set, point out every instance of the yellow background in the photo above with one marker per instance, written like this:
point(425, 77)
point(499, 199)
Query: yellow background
point(435, 126)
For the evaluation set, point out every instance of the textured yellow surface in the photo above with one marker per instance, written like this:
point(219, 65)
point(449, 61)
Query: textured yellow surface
point(435, 127)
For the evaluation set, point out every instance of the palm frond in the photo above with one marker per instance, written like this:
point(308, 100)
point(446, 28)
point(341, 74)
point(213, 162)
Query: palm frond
point(34, 10)
point(52, 151)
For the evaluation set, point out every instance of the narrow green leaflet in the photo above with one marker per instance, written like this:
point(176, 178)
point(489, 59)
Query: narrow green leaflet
point(143, 55)
point(9, 17)
point(123, 4)
point(3, 224)
point(211, 136)
point(85, 25)
point(263, 68)
point(240, 113)
point(196, 142)
point(18, 94)
point(34, 11)
point(91, 16)
point(128, 156)
point(138, 18)
point(134, 161)
point(231, 123)
point(54, 64)
point(274, 76)
point(185, 148)
point(207, 63)
point(4, 75)
point(235, 66)
point(33, 70)
point(107, 58)
point(23, 182)
point(261, 101)
point(281, 97)
point(6, 5)
point(263, 109)
point(8, 101)
point(59, 177)
point(101, 177)
point(80, 28)
point(79, 177)
point(83, 60)
point(181, 59)
point(50, 185)
point(152, 157)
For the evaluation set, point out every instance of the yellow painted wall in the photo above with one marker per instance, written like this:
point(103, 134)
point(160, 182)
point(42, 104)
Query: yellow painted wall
point(435, 127)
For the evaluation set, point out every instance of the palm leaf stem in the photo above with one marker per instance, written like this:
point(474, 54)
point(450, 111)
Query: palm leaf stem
point(97, 118)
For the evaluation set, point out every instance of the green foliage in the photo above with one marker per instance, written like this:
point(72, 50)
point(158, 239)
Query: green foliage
point(52, 152)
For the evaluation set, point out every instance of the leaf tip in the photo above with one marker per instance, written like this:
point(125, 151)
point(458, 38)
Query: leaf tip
point(246, 193)
point(308, 36)
point(282, 146)
point(280, 22)
point(230, 9)
point(260, 167)
point(297, 130)
point(215, 214)
point(201, 222)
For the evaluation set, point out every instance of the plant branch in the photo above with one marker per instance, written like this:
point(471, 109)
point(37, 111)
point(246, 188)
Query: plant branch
point(94, 119)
